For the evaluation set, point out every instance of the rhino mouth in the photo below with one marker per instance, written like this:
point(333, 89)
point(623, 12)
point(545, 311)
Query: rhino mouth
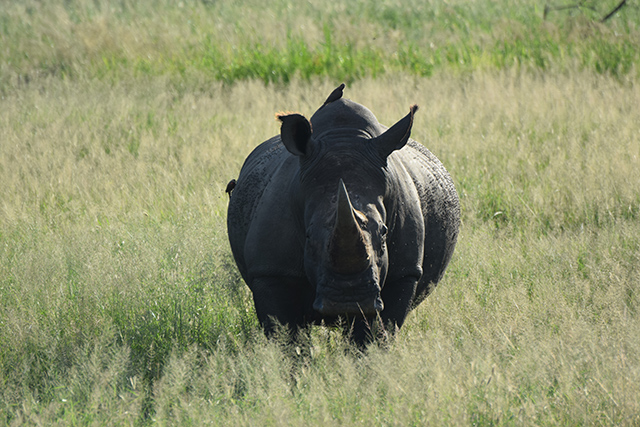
point(332, 307)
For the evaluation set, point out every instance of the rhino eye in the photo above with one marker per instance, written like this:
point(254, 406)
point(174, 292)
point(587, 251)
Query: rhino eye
point(383, 230)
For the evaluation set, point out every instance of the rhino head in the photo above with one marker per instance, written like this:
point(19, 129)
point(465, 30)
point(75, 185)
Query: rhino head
point(343, 194)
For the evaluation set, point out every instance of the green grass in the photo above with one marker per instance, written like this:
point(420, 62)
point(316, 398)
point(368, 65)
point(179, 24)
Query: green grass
point(346, 40)
point(121, 125)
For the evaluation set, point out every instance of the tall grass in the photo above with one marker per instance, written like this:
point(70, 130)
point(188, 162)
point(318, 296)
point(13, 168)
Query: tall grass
point(122, 123)
point(120, 302)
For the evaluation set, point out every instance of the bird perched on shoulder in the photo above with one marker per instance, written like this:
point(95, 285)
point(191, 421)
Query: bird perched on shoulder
point(230, 186)
point(335, 95)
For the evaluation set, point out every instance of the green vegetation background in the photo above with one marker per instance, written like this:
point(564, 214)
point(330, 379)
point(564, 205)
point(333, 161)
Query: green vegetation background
point(123, 121)
point(343, 40)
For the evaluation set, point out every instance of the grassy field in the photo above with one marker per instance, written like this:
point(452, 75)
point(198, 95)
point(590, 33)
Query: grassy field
point(195, 42)
point(122, 123)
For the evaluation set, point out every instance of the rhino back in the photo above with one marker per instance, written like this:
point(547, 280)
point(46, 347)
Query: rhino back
point(440, 209)
point(259, 216)
point(255, 175)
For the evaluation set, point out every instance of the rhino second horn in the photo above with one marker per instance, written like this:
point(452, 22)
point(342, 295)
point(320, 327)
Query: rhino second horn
point(347, 250)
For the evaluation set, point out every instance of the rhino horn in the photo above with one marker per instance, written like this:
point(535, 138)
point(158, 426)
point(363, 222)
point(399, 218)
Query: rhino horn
point(347, 248)
point(396, 136)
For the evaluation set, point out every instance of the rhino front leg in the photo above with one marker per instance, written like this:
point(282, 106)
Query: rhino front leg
point(281, 301)
point(397, 297)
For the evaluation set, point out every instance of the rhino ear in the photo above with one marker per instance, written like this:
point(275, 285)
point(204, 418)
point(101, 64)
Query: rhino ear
point(295, 133)
point(396, 136)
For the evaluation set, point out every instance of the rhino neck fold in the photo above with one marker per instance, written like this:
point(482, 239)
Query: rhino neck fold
point(347, 247)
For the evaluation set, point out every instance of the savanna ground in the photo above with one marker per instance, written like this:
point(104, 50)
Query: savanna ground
point(122, 122)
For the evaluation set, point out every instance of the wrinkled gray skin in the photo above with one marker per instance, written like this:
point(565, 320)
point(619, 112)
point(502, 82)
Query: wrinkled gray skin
point(342, 218)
